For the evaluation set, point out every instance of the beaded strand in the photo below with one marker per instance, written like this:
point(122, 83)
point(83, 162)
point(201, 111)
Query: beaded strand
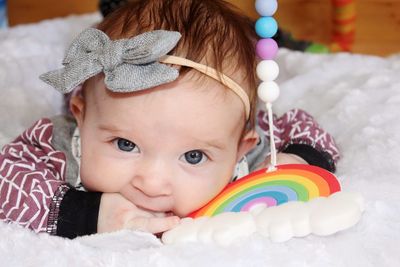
point(267, 69)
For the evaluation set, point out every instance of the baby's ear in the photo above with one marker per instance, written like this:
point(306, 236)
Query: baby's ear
point(77, 107)
point(248, 141)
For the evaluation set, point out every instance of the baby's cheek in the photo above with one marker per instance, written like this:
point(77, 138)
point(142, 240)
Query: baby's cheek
point(200, 197)
point(99, 176)
point(192, 193)
point(90, 179)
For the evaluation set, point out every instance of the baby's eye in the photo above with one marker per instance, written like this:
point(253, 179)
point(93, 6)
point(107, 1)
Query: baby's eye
point(194, 157)
point(126, 145)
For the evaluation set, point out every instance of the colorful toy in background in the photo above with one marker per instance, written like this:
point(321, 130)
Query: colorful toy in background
point(262, 189)
point(3, 14)
point(343, 31)
point(344, 18)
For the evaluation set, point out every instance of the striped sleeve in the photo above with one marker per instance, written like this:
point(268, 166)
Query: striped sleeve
point(32, 179)
point(297, 132)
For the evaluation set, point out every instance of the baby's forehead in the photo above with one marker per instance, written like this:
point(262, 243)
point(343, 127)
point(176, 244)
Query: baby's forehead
point(196, 106)
point(203, 82)
point(193, 88)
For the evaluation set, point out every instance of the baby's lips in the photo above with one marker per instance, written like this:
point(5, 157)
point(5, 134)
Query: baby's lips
point(157, 210)
point(154, 205)
point(169, 213)
point(162, 214)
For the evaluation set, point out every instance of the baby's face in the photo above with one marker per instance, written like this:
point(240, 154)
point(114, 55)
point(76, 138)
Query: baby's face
point(168, 149)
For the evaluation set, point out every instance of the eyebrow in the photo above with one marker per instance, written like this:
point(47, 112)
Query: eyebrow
point(212, 143)
point(110, 128)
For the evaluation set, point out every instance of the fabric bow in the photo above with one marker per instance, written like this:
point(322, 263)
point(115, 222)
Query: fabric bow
point(128, 64)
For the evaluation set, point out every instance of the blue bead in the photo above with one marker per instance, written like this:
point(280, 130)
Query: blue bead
point(266, 27)
point(266, 8)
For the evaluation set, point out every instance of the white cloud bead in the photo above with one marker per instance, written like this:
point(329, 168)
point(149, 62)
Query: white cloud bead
point(268, 91)
point(267, 70)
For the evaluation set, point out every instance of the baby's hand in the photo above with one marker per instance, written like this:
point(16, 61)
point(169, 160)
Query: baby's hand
point(116, 213)
point(283, 158)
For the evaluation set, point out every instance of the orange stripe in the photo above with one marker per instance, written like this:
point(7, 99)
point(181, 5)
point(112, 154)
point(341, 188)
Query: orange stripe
point(344, 21)
point(344, 29)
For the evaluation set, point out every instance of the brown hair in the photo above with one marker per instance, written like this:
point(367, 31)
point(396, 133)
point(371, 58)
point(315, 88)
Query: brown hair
point(213, 32)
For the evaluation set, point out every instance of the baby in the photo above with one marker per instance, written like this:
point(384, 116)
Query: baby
point(164, 116)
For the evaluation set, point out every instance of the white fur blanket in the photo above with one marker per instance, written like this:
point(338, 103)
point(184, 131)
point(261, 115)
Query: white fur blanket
point(354, 97)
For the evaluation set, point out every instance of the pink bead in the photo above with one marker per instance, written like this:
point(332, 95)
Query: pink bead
point(267, 48)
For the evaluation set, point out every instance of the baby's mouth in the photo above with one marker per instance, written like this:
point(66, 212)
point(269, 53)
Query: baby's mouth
point(154, 207)
point(169, 213)
point(157, 213)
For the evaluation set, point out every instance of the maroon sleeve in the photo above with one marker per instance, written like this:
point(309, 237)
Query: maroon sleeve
point(32, 179)
point(297, 132)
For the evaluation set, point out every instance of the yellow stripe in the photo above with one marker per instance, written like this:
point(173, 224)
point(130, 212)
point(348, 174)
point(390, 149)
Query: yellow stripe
point(345, 12)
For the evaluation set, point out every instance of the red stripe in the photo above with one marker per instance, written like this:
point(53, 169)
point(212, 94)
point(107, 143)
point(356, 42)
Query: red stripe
point(341, 2)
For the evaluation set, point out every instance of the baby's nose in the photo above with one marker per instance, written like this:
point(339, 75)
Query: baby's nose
point(153, 179)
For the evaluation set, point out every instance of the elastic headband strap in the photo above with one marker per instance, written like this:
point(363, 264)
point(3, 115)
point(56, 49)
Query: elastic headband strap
point(213, 73)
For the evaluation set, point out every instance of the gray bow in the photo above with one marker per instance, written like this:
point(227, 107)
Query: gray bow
point(128, 64)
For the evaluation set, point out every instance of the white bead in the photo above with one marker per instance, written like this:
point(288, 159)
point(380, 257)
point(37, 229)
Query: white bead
point(266, 7)
point(268, 91)
point(267, 70)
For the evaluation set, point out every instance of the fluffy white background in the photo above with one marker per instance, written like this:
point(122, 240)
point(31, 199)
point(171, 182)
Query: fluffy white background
point(356, 98)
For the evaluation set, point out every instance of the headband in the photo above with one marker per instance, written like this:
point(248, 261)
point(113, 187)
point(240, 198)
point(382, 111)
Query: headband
point(129, 65)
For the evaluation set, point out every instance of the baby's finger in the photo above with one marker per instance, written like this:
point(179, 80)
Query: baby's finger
point(154, 224)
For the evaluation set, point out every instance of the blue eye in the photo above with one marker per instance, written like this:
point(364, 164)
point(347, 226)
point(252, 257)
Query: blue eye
point(194, 157)
point(126, 145)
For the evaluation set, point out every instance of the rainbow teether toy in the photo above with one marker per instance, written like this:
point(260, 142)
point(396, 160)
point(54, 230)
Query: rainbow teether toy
point(291, 182)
